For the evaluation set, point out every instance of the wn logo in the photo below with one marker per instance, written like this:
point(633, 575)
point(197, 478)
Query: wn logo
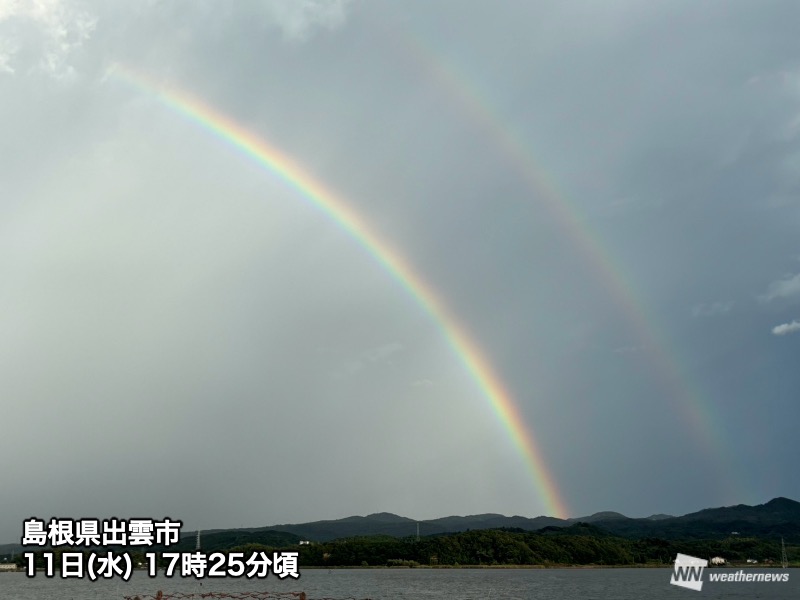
point(688, 572)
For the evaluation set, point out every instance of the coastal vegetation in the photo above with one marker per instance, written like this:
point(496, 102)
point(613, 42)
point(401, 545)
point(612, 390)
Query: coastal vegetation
point(581, 544)
point(738, 533)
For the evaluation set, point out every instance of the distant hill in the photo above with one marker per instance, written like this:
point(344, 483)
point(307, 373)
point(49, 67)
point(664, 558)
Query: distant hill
point(375, 524)
point(601, 516)
point(395, 526)
point(490, 521)
point(776, 518)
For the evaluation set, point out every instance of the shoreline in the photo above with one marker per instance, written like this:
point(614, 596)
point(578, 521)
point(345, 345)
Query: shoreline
point(737, 567)
point(554, 566)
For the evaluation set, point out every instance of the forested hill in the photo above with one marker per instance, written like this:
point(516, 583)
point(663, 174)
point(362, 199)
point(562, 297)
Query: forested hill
point(397, 526)
point(780, 517)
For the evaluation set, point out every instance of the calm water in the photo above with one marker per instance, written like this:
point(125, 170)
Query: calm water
point(412, 584)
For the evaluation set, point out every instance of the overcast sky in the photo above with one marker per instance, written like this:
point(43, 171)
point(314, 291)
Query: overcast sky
point(603, 195)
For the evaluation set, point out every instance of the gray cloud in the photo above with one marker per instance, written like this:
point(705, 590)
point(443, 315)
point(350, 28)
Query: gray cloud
point(378, 355)
point(787, 288)
point(297, 20)
point(786, 328)
point(713, 309)
point(42, 34)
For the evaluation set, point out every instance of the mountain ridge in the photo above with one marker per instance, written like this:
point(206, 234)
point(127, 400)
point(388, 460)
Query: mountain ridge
point(779, 516)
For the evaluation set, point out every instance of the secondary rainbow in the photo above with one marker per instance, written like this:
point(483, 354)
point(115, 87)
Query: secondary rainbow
point(466, 94)
point(313, 191)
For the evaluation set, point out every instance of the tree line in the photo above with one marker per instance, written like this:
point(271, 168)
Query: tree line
point(502, 547)
point(580, 544)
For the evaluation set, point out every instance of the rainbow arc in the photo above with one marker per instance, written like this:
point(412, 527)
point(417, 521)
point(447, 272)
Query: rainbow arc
point(293, 175)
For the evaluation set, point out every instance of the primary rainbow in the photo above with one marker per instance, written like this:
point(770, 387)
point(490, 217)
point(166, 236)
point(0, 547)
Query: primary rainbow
point(277, 162)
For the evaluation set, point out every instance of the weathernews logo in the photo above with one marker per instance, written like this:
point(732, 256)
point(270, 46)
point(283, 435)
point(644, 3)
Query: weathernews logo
point(688, 572)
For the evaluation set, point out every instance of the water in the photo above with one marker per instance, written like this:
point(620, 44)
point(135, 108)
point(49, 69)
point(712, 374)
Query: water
point(413, 584)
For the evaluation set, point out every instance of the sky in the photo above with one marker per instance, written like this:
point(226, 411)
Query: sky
point(283, 261)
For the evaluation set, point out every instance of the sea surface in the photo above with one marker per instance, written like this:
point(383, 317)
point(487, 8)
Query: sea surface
point(405, 584)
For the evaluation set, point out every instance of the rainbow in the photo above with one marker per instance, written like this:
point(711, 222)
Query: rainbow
point(463, 91)
point(458, 337)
